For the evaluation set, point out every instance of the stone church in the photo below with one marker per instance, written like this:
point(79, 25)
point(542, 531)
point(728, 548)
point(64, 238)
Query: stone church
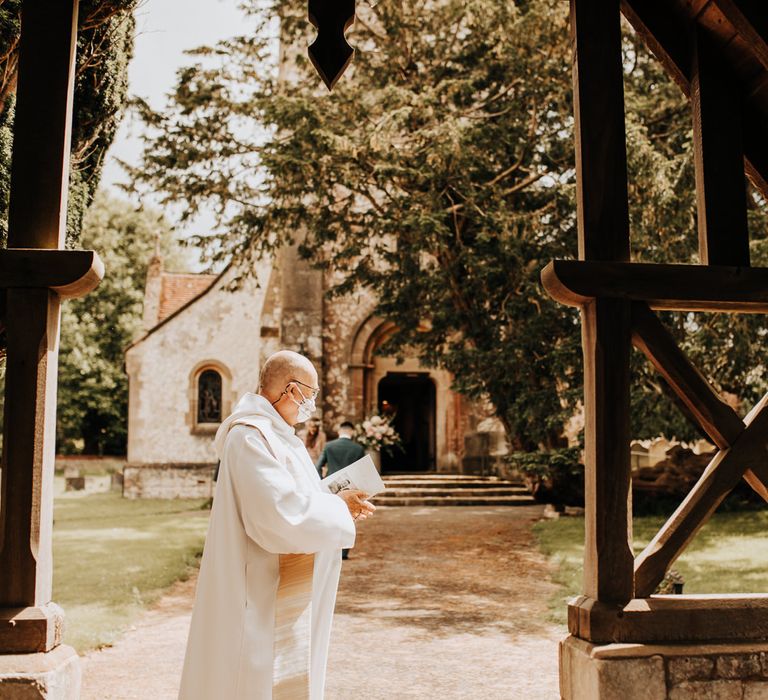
point(203, 344)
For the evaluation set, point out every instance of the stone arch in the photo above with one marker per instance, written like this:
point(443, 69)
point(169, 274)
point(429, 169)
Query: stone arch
point(368, 337)
point(366, 370)
point(226, 397)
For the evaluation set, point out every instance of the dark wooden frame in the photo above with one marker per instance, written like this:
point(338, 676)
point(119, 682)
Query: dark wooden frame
point(617, 299)
point(35, 275)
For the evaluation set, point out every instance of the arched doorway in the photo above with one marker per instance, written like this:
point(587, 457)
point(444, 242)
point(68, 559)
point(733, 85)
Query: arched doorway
point(411, 398)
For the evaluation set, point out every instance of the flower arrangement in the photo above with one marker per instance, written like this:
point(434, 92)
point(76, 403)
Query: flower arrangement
point(377, 433)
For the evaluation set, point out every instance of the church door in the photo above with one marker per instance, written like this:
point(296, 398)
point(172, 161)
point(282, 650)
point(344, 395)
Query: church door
point(410, 396)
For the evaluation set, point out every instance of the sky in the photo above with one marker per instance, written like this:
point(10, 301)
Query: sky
point(165, 29)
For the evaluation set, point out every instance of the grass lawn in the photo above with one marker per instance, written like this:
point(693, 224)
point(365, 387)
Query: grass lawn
point(112, 556)
point(729, 555)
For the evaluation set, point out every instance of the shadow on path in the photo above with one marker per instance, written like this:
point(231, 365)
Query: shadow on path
point(449, 601)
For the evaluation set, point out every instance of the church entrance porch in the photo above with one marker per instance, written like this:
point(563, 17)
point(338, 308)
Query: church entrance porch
point(411, 398)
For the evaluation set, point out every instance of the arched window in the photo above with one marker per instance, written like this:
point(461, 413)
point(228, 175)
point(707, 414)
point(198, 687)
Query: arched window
point(209, 397)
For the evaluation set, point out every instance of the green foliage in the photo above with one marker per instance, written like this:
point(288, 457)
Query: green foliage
point(437, 174)
point(555, 477)
point(96, 329)
point(728, 555)
point(104, 47)
point(729, 349)
point(114, 556)
point(440, 174)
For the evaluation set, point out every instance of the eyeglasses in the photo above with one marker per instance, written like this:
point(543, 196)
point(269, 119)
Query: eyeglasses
point(314, 391)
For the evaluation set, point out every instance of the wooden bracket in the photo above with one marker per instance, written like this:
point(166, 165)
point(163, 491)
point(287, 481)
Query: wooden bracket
point(721, 475)
point(69, 273)
point(671, 287)
point(673, 618)
point(329, 52)
point(30, 630)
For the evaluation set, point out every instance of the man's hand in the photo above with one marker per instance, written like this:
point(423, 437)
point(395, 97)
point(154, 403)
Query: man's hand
point(359, 508)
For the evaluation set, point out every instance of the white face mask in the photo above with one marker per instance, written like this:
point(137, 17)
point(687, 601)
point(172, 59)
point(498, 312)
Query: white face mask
point(306, 407)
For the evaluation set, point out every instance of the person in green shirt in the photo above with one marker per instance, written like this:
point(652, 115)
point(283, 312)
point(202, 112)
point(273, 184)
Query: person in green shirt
point(340, 453)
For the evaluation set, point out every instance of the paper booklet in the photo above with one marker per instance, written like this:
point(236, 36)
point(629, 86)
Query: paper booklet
point(360, 475)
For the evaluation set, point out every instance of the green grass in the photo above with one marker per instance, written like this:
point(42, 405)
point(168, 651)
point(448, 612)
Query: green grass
point(113, 556)
point(729, 555)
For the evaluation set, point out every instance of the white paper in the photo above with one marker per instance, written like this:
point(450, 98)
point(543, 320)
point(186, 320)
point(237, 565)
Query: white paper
point(360, 475)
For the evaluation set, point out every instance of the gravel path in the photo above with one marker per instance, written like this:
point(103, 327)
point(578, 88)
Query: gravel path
point(448, 601)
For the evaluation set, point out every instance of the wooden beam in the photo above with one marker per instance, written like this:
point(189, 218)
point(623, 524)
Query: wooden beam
point(42, 125)
point(70, 273)
point(756, 152)
point(718, 479)
point(601, 160)
point(721, 197)
point(671, 619)
point(750, 20)
point(668, 35)
point(29, 434)
point(670, 287)
point(30, 630)
point(716, 417)
point(608, 558)
point(37, 219)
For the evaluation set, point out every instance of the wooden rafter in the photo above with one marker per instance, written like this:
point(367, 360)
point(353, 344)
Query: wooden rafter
point(669, 34)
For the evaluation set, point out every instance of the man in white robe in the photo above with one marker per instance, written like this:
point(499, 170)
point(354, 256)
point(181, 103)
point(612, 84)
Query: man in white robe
point(270, 569)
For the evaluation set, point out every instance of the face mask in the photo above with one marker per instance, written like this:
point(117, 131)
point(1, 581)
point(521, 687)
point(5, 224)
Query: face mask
point(306, 408)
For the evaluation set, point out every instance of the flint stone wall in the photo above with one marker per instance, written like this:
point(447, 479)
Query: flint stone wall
point(663, 672)
point(168, 481)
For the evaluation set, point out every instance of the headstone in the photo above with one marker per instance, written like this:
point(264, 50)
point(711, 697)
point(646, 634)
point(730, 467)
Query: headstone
point(74, 483)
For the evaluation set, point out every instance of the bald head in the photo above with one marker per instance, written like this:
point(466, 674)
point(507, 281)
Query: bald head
point(283, 367)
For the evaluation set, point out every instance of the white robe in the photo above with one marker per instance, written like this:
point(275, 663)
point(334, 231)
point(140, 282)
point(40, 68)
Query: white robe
point(268, 502)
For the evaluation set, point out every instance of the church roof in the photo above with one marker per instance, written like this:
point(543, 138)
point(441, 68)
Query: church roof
point(178, 289)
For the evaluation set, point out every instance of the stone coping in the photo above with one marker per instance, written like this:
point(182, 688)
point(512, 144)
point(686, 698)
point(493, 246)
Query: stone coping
point(624, 651)
point(171, 465)
point(12, 665)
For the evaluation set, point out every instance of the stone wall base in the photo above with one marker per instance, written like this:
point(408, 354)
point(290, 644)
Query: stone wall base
point(54, 675)
point(168, 480)
point(663, 672)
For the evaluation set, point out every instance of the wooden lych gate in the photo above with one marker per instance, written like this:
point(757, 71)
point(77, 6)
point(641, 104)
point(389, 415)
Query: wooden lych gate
point(35, 275)
point(717, 51)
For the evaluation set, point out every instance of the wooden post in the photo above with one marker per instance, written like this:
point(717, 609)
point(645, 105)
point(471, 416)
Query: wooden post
point(37, 218)
point(601, 151)
point(603, 225)
point(721, 197)
point(608, 558)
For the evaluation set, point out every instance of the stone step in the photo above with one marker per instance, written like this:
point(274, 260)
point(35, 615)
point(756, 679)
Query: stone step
point(437, 476)
point(454, 501)
point(465, 491)
point(433, 489)
point(427, 484)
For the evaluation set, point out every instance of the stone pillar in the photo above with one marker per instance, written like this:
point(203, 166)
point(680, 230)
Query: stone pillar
point(663, 671)
point(301, 294)
point(152, 290)
point(33, 664)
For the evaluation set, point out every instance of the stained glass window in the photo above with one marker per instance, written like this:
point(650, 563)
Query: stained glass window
point(209, 397)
